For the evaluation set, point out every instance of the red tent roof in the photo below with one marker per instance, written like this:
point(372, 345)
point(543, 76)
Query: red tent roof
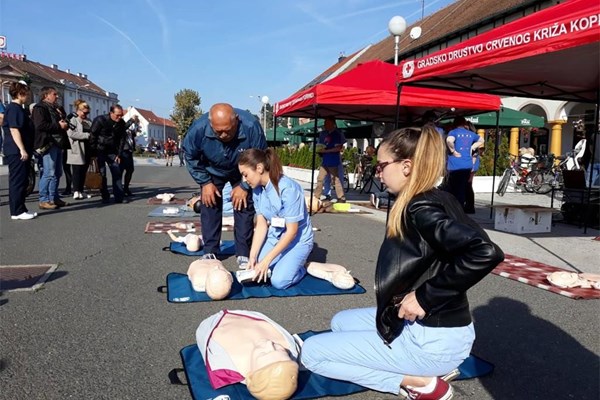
point(553, 54)
point(368, 92)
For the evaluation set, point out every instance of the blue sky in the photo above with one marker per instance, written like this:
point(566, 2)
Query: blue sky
point(227, 50)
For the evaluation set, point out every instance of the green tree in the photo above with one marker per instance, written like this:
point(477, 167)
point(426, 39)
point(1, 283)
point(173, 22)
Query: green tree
point(187, 109)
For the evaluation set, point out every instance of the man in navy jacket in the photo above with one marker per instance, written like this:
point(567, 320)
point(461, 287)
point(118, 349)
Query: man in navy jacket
point(212, 147)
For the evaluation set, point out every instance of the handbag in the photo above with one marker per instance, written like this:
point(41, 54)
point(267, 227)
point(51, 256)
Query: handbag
point(93, 178)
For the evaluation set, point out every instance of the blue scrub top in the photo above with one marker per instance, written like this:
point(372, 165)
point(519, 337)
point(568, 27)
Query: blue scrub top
point(288, 204)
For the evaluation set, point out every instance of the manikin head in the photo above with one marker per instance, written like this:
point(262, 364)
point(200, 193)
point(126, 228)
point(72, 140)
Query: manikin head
point(211, 277)
point(315, 204)
point(277, 379)
point(192, 242)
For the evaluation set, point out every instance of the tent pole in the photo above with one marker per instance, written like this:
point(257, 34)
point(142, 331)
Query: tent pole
point(274, 129)
point(496, 145)
point(397, 118)
point(314, 161)
point(594, 138)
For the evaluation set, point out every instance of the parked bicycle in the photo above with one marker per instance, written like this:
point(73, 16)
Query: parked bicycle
point(517, 172)
point(542, 180)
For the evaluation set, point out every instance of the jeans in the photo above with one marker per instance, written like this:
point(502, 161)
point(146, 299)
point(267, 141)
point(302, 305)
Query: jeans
point(594, 169)
point(116, 174)
point(354, 352)
point(51, 173)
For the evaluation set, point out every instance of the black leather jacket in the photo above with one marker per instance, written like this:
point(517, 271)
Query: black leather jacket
point(443, 253)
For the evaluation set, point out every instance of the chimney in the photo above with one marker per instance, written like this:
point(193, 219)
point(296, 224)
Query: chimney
point(84, 76)
point(341, 57)
point(54, 66)
point(68, 71)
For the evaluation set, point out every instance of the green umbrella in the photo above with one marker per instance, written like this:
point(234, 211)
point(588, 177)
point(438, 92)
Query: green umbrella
point(309, 127)
point(508, 118)
point(281, 135)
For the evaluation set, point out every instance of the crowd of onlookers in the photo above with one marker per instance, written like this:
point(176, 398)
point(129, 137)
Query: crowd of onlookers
point(44, 135)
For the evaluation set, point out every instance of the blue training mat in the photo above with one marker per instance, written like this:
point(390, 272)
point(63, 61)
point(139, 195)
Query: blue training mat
point(179, 289)
point(227, 248)
point(310, 385)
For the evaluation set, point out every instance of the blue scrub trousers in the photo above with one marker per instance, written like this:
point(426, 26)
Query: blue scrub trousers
point(211, 220)
point(354, 352)
point(289, 267)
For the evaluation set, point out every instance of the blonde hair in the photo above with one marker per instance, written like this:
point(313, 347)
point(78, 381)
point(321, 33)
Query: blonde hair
point(80, 104)
point(277, 381)
point(426, 149)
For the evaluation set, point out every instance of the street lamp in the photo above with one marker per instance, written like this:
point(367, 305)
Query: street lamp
point(397, 26)
point(77, 87)
point(265, 101)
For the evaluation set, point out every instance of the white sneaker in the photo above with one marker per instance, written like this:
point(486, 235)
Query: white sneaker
point(24, 215)
point(243, 262)
point(76, 196)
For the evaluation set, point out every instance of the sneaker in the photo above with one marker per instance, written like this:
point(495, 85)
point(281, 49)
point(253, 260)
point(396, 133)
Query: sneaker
point(372, 199)
point(60, 203)
point(441, 391)
point(46, 205)
point(76, 196)
point(243, 262)
point(208, 256)
point(376, 202)
point(24, 215)
point(341, 200)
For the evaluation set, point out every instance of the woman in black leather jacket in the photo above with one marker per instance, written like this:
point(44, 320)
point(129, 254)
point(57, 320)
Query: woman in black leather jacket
point(433, 253)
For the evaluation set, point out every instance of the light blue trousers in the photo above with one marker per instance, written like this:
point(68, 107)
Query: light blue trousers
point(354, 352)
point(288, 267)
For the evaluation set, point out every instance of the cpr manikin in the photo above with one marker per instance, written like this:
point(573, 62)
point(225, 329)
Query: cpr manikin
point(210, 276)
point(192, 241)
point(248, 347)
point(336, 274)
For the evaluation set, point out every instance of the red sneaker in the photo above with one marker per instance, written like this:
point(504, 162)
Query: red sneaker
point(442, 391)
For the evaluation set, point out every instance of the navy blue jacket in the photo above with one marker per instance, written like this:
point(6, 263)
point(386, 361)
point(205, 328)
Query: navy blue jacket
point(207, 156)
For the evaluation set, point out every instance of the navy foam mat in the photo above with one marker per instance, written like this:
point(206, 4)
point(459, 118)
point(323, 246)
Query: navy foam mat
point(227, 248)
point(179, 289)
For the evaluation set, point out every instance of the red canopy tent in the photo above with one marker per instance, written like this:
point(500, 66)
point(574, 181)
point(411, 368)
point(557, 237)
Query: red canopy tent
point(551, 54)
point(368, 92)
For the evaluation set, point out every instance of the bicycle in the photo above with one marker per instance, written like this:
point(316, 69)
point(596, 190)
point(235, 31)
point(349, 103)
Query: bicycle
point(549, 176)
point(346, 164)
point(518, 174)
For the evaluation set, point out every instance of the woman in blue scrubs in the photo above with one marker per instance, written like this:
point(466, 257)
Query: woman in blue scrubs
point(283, 236)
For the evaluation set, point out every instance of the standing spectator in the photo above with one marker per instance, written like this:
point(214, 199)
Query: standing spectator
point(50, 139)
point(65, 164)
point(331, 141)
point(132, 128)
point(18, 149)
point(158, 150)
point(461, 144)
point(170, 151)
point(107, 141)
point(327, 181)
point(1, 122)
point(78, 155)
point(180, 152)
point(212, 148)
point(420, 327)
point(470, 194)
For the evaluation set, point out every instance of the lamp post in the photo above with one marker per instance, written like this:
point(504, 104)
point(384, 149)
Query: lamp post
point(77, 87)
point(396, 26)
point(264, 100)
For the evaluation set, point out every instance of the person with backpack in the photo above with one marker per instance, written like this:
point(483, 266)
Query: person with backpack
point(107, 140)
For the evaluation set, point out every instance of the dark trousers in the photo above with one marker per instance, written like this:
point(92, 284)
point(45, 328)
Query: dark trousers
point(79, 172)
point(67, 173)
point(470, 195)
point(181, 162)
point(18, 178)
point(116, 175)
point(211, 220)
point(456, 183)
point(127, 168)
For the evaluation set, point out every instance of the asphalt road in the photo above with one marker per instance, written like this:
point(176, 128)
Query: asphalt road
point(100, 330)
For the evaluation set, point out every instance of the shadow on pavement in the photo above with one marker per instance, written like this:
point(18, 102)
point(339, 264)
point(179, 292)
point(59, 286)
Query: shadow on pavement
point(534, 358)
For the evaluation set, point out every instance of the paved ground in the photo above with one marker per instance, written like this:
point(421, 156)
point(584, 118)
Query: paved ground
point(99, 329)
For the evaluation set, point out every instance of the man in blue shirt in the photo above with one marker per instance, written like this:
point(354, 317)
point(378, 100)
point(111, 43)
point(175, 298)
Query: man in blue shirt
point(331, 142)
point(1, 120)
point(461, 144)
point(212, 147)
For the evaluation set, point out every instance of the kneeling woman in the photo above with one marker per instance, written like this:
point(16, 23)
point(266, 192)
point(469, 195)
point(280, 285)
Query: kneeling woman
point(283, 236)
point(433, 253)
